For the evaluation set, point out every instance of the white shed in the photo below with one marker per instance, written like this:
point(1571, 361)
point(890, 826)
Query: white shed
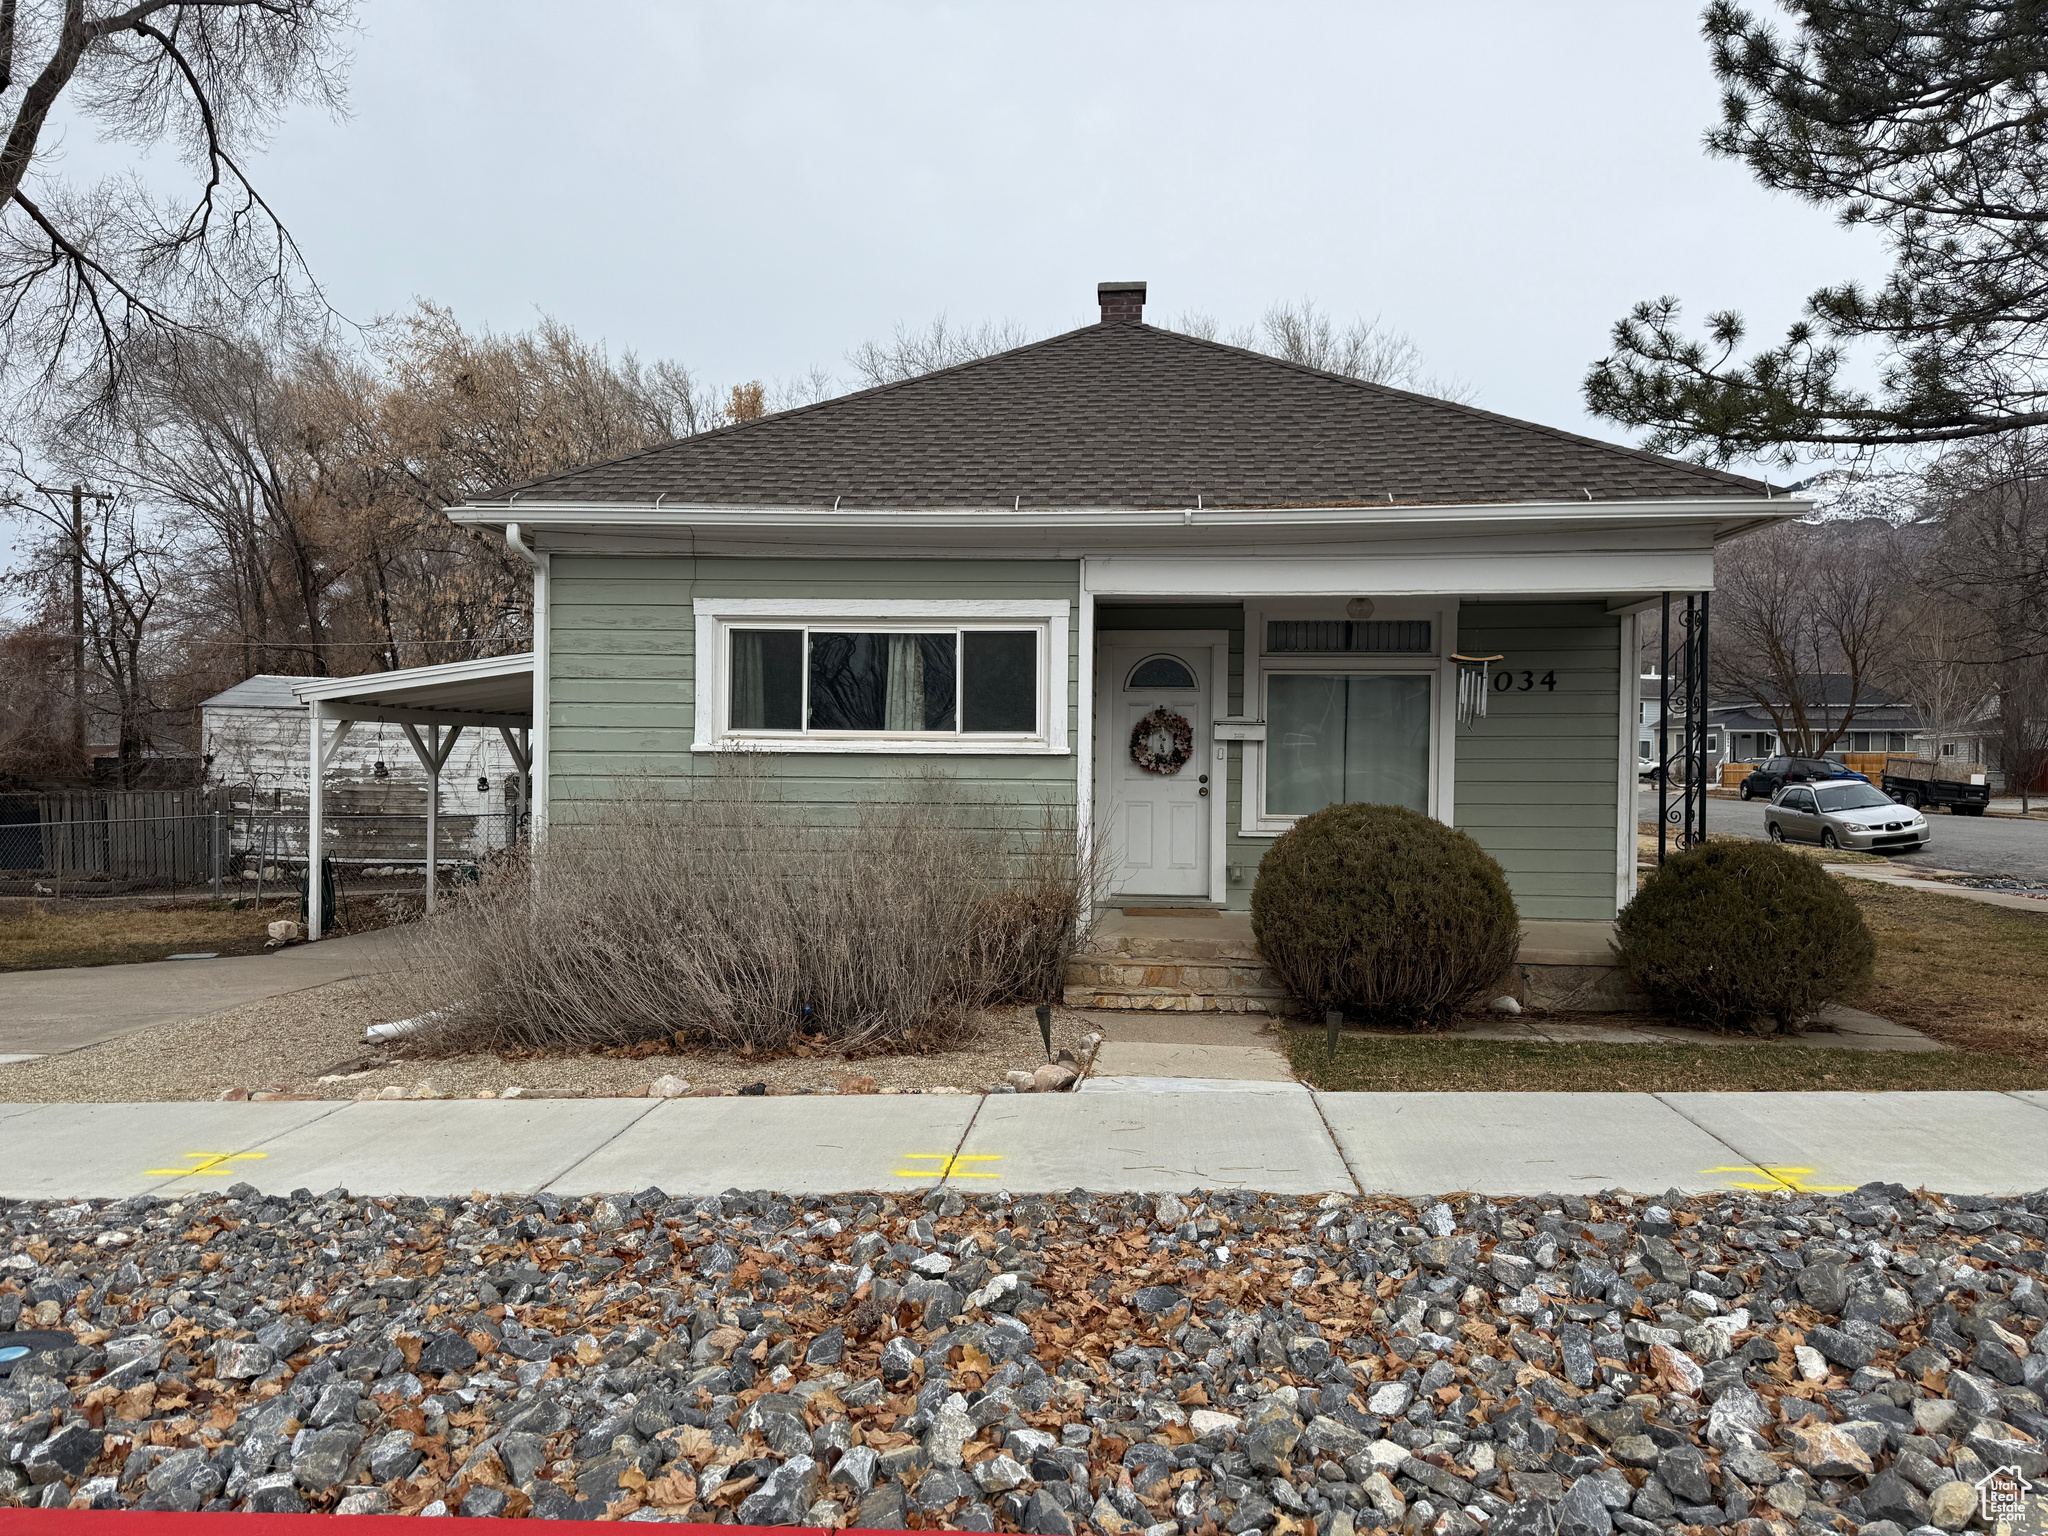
point(255, 740)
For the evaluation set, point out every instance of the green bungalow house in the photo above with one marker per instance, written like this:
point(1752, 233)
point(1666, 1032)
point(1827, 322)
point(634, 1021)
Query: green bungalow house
point(1192, 591)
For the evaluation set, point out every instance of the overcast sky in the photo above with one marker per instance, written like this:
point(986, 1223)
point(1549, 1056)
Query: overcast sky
point(756, 188)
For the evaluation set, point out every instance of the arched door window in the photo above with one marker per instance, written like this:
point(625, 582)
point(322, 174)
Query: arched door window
point(1161, 672)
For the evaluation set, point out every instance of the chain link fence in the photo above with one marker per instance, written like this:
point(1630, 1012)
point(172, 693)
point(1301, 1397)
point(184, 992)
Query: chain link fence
point(237, 853)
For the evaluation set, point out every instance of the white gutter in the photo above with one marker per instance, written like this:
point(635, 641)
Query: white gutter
point(537, 745)
point(662, 513)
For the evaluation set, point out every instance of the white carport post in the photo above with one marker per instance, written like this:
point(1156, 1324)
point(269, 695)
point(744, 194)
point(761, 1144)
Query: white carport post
point(314, 808)
point(433, 754)
point(323, 747)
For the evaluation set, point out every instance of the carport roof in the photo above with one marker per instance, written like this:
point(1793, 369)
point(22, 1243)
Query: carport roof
point(489, 686)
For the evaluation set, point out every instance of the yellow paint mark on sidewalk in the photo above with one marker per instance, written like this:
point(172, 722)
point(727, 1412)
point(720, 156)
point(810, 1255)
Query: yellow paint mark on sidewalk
point(1781, 1178)
point(211, 1165)
point(949, 1165)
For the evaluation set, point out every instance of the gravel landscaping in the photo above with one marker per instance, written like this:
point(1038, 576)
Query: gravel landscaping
point(1210, 1362)
point(310, 1044)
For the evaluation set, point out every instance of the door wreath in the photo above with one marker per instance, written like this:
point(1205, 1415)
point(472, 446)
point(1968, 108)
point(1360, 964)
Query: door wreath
point(1180, 739)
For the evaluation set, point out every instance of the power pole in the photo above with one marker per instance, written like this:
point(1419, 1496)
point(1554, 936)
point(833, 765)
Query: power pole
point(79, 493)
point(78, 625)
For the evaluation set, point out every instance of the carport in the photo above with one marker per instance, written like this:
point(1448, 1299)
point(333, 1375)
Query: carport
point(433, 705)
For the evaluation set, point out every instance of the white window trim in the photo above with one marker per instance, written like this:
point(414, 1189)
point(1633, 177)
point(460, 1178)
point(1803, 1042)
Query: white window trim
point(1259, 664)
point(718, 617)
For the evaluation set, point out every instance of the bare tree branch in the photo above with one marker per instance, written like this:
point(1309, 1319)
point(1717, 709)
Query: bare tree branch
point(87, 271)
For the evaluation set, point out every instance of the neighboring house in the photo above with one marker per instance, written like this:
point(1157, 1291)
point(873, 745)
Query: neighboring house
point(160, 765)
point(255, 744)
point(1012, 567)
point(1650, 742)
point(1882, 722)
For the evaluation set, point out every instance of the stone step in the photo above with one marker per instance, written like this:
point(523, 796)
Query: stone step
point(1177, 1000)
point(1175, 947)
point(1156, 962)
point(1129, 973)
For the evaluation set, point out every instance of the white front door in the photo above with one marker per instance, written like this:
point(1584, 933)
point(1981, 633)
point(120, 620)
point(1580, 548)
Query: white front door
point(1159, 810)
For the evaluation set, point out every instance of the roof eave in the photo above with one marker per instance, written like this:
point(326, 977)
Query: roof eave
point(1744, 512)
point(414, 677)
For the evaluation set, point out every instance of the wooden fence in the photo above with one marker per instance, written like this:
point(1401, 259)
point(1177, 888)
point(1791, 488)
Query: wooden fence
point(1869, 764)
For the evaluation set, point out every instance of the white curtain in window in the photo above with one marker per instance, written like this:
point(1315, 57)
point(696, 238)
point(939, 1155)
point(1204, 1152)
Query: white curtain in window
point(749, 702)
point(903, 696)
point(1332, 739)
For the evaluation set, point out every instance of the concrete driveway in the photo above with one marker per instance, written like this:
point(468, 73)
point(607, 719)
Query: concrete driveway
point(44, 1013)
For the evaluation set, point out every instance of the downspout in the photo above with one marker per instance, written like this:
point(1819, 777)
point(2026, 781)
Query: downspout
point(537, 748)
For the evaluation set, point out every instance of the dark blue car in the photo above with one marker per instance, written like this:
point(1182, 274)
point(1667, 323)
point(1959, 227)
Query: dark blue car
point(1767, 778)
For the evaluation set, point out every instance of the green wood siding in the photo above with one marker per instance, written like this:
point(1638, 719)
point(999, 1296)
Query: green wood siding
point(1537, 778)
point(621, 675)
point(1536, 781)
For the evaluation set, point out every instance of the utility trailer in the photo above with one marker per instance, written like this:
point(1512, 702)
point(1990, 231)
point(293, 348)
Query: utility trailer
point(1964, 788)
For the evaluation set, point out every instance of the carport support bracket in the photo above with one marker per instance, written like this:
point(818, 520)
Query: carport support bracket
point(433, 754)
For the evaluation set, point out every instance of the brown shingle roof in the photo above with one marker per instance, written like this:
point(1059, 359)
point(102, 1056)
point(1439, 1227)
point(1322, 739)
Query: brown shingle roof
point(1126, 415)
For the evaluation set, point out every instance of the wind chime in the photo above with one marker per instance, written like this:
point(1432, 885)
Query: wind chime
point(1472, 689)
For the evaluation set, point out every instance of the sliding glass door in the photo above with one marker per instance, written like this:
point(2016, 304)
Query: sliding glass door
point(1335, 738)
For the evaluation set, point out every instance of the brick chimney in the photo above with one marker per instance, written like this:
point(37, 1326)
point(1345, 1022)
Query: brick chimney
point(1121, 301)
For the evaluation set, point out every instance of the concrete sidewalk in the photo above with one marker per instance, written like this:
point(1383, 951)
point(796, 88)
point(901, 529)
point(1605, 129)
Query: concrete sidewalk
point(44, 1013)
point(1276, 1141)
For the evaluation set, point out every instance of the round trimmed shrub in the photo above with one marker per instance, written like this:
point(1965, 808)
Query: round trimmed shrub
point(1744, 935)
point(1385, 913)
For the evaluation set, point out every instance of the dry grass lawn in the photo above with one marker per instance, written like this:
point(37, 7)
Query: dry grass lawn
point(37, 936)
point(1972, 975)
point(1433, 1064)
point(44, 935)
point(1964, 971)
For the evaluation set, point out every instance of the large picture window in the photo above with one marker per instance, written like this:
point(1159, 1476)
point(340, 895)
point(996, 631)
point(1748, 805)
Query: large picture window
point(1339, 738)
point(880, 676)
point(943, 683)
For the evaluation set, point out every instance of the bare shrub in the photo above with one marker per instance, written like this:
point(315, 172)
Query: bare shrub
point(1029, 930)
point(726, 918)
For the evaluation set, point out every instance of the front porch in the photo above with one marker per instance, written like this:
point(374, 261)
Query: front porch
point(1202, 960)
point(1208, 726)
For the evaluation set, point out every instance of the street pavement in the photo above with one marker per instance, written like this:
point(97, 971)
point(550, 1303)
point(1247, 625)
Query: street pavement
point(1133, 1141)
point(1983, 845)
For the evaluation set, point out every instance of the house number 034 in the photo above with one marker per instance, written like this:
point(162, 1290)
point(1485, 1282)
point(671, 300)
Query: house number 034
point(1524, 682)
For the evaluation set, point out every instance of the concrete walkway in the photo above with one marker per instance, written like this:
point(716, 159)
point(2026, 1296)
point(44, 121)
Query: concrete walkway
point(45, 1013)
point(1276, 1137)
point(1187, 1052)
point(1888, 875)
point(1835, 1028)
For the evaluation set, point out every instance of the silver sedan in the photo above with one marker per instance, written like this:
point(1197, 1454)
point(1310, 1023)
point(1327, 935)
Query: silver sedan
point(1844, 813)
